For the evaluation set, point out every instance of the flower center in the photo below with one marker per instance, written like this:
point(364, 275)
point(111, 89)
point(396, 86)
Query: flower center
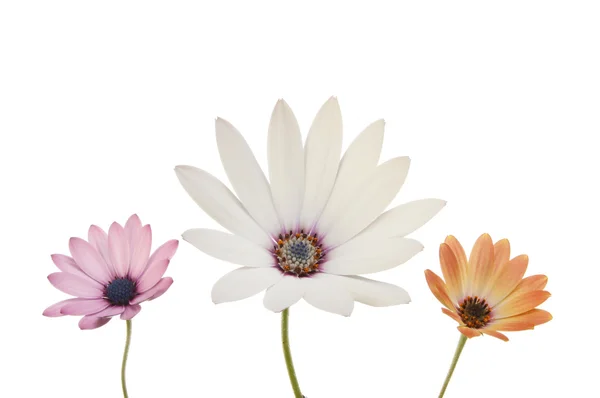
point(120, 291)
point(298, 253)
point(474, 312)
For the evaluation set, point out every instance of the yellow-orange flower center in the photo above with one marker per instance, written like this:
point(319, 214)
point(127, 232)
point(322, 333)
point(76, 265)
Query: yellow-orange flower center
point(298, 253)
point(474, 312)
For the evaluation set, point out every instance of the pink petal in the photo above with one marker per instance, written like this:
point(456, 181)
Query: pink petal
point(155, 292)
point(131, 311)
point(164, 287)
point(155, 271)
point(118, 248)
point(92, 322)
point(75, 285)
point(164, 252)
point(54, 309)
point(110, 311)
point(84, 307)
point(140, 252)
point(132, 228)
point(89, 260)
point(99, 240)
point(67, 264)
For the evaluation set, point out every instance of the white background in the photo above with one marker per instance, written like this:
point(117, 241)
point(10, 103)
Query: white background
point(496, 103)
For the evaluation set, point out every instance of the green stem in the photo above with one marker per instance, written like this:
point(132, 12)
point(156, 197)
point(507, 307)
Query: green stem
point(288, 354)
point(459, 348)
point(125, 354)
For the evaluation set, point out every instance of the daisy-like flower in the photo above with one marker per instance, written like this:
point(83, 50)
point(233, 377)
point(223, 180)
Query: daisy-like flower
point(317, 224)
point(487, 293)
point(110, 274)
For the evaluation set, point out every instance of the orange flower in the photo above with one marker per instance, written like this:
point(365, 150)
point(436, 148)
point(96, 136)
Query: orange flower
point(488, 294)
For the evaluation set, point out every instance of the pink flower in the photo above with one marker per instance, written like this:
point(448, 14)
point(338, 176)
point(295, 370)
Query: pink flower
point(111, 274)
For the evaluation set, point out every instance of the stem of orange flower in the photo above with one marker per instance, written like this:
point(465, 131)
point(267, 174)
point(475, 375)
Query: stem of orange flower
point(459, 348)
point(125, 355)
point(288, 354)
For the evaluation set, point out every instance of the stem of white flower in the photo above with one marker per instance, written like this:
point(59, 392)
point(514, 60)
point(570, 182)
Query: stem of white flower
point(288, 354)
point(459, 348)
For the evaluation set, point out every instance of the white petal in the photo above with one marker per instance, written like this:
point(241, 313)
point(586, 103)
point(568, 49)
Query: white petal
point(284, 293)
point(286, 164)
point(227, 247)
point(374, 293)
point(220, 203)
point(246, 177)
point(404, 219)
point(321, 160)
point(368, 201)
point(367, 257)
point(359, 161)
point(243, 283)
point(326, 293)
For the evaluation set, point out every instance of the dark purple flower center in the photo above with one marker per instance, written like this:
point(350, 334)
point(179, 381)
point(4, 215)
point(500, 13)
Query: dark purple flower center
point(120, 291)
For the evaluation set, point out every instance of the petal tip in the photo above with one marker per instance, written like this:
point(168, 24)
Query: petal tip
point(48, 313)
point(215, 299)
point(181, 168)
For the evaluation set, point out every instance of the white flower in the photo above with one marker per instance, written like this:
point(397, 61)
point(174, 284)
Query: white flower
point(318, 223)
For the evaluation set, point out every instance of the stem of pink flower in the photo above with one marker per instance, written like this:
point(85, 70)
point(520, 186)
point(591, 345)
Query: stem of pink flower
point(288, 354)
point(125, 355)
point(459, 348)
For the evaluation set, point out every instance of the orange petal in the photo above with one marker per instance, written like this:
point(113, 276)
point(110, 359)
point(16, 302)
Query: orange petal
point(438, 288)
point(501, 257)
point(481, 264)
point(531, 283)
point(508, 277)
point(451, 272)
point(520, 303)
point(525, 321)
point(495, 334)
point(452, 315)
point(501, 252)
point(468, 331)
point(460, 255)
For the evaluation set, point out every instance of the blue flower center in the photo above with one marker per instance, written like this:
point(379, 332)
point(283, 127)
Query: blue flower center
point(120, 291)
point(300, 250)
point(298, 253)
